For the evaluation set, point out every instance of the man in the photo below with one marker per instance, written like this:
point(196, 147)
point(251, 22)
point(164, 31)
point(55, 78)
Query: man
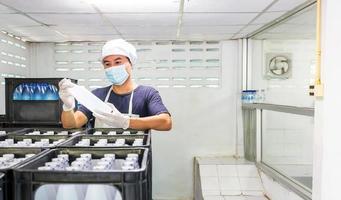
point(137, 107)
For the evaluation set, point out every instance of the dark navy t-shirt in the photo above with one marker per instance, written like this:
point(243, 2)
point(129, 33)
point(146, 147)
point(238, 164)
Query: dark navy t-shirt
point(146, 102)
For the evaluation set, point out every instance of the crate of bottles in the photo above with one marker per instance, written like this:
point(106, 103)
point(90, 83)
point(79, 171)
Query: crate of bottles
point(84, 174)
point(33, 101)
point(120, 141)
point(29, 138)
point(11, 158)
point(115, 131)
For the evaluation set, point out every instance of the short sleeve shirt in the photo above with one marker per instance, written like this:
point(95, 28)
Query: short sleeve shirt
point(146, 102)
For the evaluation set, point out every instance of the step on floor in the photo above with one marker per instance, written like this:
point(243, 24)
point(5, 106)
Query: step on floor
point(228, 178)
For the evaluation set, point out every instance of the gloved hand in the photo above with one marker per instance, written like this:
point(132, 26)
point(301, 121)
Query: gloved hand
point(65, 95)
point(114, 118)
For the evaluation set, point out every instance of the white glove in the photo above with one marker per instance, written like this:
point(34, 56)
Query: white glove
point(65, 95)
point(114, 118)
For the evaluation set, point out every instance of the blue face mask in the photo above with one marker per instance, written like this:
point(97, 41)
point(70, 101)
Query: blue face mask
point(117, 74)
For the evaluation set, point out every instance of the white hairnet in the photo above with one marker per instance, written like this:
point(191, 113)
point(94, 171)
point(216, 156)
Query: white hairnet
point(119, 47)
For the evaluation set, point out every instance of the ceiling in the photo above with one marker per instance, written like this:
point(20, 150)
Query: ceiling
point(299, 26)
point(98, 20)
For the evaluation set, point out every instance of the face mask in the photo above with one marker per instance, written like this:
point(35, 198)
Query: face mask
point(117, 74)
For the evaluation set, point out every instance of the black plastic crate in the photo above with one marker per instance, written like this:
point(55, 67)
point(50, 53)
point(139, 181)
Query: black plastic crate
point(33, 112)
point(2, 186)
point(7, 183)
point(133, 184)
point(129, 139)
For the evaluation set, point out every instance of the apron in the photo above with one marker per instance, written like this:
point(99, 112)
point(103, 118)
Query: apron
point(100, 124)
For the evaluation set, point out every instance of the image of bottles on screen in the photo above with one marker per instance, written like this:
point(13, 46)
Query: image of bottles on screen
point(35, 91)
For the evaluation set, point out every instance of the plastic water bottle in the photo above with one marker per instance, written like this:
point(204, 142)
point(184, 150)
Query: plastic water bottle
point(46, 192)
point(48, 93)
point(26, 93)
point(69, 191)
point(17, 94)
point(55, 92)
point(37, 92)
point(98, 191)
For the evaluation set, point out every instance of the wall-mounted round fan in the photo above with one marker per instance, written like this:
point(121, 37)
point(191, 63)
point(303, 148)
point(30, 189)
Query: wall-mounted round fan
point(279, 65)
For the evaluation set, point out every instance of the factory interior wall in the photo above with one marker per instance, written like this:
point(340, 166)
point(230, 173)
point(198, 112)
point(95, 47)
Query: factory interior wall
point(204, 118)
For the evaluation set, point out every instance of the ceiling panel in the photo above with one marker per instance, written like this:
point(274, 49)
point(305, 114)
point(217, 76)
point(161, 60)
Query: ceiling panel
point(149, 37)
point(84, 29)
point(267, 17)
point(62, 19)
point(11, 20)
point(147, 30)
point(4, 9)
point(250, 28)
point(46, 6)
point(210, 29)
point(286, 5)
point(143, 19)
point(137, 6)
point(214, 19)
point(206, 36)
point(226, 5)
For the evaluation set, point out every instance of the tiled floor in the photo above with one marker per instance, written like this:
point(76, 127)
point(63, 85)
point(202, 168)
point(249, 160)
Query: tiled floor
point(230, 179)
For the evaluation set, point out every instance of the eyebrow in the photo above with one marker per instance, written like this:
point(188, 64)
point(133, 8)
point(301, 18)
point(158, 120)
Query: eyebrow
point(119, 58)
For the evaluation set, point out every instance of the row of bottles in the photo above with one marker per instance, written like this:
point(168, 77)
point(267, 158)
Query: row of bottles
point(35, 91)
point(8, 160)
point(85, 162)
point(85, 142)
point(51, 133)
point(29, 143)
point(115, 133)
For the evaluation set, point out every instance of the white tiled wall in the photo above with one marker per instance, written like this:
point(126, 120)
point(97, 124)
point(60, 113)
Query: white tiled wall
point(14, 61)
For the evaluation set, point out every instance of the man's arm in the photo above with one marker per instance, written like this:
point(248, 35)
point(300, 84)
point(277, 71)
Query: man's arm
point(71, 119)
point(161, 122)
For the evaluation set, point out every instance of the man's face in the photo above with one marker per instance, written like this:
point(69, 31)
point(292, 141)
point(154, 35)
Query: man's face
point(116, 60)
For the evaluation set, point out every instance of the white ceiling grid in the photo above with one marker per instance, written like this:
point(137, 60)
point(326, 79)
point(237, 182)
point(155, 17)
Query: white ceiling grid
point(92, 20)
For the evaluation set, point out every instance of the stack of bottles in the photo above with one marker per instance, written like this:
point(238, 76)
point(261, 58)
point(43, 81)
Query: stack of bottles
point(51, 133)
point(9, 160)
point(29, 143)
point(253, 96)
point(86, 163)
point(104, 143)
point(114, 133)
point(35, 91)
point(2, 133)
